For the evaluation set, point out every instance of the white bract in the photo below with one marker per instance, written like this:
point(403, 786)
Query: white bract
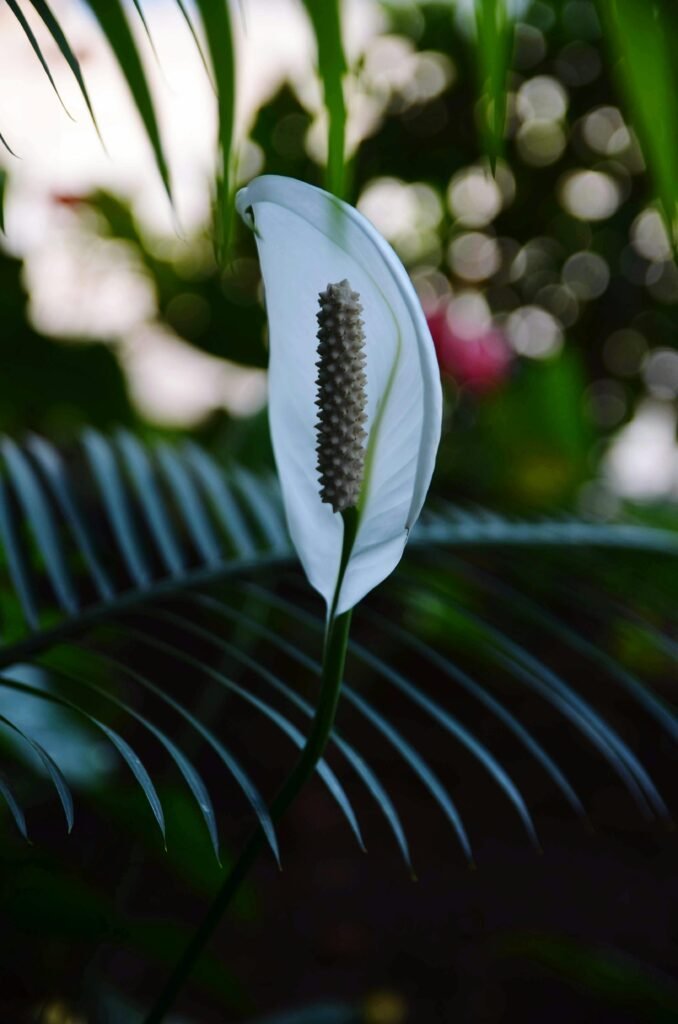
point(308, 239)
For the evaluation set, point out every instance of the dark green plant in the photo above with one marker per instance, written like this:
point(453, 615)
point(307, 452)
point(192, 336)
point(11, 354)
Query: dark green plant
point(125, 556)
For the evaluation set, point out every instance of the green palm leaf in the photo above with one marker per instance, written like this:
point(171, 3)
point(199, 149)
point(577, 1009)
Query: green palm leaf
point(123, 559)
point(325, 17)
point(494, 35)
point(52, 24)
point(216, 23)
point(640, 37)
point(30, 35)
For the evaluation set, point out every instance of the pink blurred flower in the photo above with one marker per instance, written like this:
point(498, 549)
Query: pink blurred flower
point(478, 360)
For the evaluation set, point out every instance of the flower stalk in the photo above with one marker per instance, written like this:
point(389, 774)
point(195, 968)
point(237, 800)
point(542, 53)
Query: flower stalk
point(341, 435)
point(334, 657)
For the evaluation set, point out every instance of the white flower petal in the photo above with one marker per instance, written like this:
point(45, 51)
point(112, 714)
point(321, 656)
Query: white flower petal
point(308, 239)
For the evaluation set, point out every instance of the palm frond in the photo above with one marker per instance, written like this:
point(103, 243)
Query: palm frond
point(325, 17)
point(216, 23)
point(640, 38)
point(50, 21)
point(30, 35)
point(129, 563)
point(494, 32)
point(113, 22)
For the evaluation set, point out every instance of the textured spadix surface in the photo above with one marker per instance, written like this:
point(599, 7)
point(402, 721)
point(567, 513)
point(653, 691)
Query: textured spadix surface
point(341, 397)
point(306, 239)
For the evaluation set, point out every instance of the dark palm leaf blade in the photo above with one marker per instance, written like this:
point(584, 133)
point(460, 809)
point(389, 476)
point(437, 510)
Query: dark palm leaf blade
point(53, 469)
point(327, 775)
point(154, 508)
point(540, 678)
point(266, 508)
point(190, 773)
point(218, 492)
point(242, 778)
point(50, 480)
point(191, 28)
point(190, 504)
point(436, 712)
point(455, 728)
point(130, 757)
point(655, 706)
point(356, 761)
point(17, 560)
point(331, 1013)
point(9, 149)
point(106, 471)
point(14, 807)
point(409, 755)
point(461, 678)
point(454, 527)
point(113, 22)
point(106, 546)
point(30, 35)
point(51, 22)
point(38, 514)
point(50, 765)
point(142, 18)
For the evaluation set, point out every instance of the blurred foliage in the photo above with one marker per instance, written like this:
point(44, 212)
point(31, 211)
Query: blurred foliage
point(53, 386)
point(583, 299)
point(613, 977)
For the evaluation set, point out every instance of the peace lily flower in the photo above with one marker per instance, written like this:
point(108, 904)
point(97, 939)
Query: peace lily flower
point(354, 388)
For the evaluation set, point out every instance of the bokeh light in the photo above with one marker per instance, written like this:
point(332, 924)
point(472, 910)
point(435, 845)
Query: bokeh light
point(590, 195)
point(534, 332)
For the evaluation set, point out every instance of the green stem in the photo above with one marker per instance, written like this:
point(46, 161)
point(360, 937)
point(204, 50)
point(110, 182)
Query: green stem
point(334, 657)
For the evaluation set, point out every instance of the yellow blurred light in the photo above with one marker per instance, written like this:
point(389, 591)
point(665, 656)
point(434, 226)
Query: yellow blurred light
point(385, 1008)
point(58, 1012)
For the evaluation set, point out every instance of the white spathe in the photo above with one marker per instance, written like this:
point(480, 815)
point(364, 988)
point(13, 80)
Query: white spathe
point(308, 239)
